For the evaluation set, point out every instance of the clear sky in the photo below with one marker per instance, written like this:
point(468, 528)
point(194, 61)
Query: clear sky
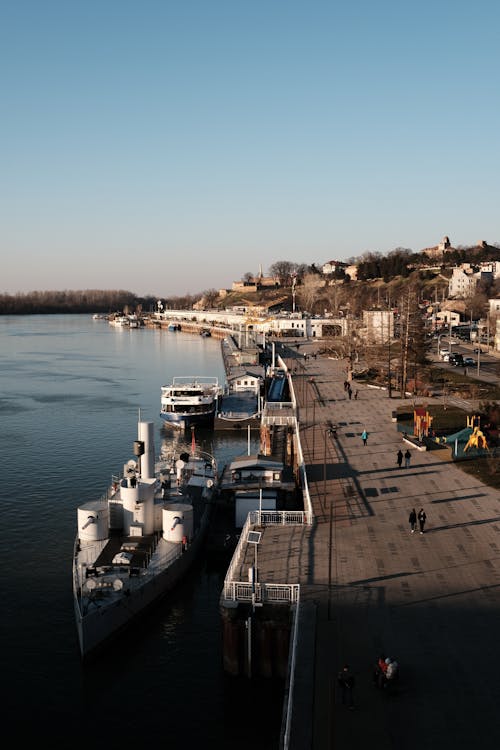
point(170, 146)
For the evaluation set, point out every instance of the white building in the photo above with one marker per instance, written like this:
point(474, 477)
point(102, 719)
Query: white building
point(445, 318)
point(463, 281)
point(494, 305)
point(332, 266)
point(378, 325)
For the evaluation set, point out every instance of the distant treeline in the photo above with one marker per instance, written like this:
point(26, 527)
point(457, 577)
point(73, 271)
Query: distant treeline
point(87, 301)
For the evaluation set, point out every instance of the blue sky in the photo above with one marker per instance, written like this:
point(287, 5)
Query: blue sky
point(170, 147)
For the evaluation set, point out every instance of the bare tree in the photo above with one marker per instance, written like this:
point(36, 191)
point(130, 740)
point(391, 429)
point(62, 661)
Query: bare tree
point(310, 290)
point(283, 270)
point(210, 297)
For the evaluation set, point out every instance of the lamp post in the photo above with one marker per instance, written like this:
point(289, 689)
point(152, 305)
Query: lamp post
point(330, 431)
point(252, 538)
point(314, 420)
point(389, 384)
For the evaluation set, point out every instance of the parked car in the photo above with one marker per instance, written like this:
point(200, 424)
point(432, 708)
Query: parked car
point(456, 359)
point(445, 357)
point(469, 362)
point(478, 350)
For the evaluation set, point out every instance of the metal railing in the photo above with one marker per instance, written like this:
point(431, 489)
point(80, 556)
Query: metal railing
point(235, 590)
point(288, 709)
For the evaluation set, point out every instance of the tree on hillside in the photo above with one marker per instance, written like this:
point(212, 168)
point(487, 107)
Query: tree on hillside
point(309, 292)
point(284, 271)
point(210, 297)
point(414, 344)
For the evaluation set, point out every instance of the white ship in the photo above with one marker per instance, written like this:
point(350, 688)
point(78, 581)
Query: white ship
point(136, 542)
point(190, 401)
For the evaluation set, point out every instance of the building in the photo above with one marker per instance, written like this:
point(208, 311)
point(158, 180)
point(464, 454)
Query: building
point(378, 326)
point(333, 266)
point(463, 281)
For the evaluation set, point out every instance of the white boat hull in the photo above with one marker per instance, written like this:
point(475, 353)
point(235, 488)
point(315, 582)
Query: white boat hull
point(136, 542)
point(96, 628)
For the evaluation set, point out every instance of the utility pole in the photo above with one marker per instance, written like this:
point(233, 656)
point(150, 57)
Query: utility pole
point(404, 349)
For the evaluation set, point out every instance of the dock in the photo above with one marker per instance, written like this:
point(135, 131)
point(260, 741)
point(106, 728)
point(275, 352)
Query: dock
point(369, 586)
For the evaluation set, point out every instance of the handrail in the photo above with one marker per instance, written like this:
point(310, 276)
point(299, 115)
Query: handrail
point(291, 671)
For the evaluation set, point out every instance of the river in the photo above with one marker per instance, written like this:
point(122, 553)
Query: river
point(71, 389)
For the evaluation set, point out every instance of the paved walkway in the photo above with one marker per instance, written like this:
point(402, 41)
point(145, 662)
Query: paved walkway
point(432, 601)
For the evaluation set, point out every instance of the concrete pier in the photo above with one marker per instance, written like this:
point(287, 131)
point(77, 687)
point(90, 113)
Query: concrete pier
point(431, 600)
point(368, 585)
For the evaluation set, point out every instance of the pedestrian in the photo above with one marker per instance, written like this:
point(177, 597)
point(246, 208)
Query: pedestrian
point(407, 459)
point(349, 391)
point(422, 519)
point(364, 437)
point(345, 681)
point(355, 395)
point(399, 459)
point(380, 671)
point(346, 385)
point(412, 519)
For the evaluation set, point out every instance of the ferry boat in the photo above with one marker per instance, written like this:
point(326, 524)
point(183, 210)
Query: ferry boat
point(137, 541)
point(190, 401)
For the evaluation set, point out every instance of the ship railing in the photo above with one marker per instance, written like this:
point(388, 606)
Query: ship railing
point(278, 517)
point(282, 420)
point(236, 416)
point(262, 518)
point(303, 475)
point(273, 593)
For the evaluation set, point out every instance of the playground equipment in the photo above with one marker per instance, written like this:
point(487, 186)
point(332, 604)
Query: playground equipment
point(422, 421)
point(471, 437)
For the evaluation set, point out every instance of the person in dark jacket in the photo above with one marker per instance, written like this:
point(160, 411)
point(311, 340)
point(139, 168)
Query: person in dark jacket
point(422, 519)
point(400, 458)
point(413, 520)
point(345, 681)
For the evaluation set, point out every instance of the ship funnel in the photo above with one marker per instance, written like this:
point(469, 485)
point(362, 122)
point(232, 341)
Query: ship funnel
point(145, 443)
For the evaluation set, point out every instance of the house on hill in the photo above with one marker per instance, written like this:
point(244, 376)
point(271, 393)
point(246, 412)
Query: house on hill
point(333, 266)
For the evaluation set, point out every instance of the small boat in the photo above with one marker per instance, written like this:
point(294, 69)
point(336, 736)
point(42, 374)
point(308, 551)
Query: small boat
point(137, 541)
point(190, 401)
point(205, 333)
point(174, 327)
point(119, 321)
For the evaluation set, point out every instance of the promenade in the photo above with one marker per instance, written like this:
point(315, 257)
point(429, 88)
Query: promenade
point(431, 601)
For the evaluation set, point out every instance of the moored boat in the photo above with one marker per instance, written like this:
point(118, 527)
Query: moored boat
point(190, 401)
point(138, 540)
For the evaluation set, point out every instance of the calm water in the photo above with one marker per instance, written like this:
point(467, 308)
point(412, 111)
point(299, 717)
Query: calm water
point(70, 393)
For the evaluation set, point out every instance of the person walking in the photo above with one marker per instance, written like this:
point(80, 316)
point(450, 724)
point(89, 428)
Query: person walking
point(364, 437)
point(412, 520)
point(345, 681)
point(407, 459)
point(356, 395)
point(399, 459)
point(349, 391)
point(422, 517)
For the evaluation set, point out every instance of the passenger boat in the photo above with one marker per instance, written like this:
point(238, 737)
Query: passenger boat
point(137, 541)
point(190, 401)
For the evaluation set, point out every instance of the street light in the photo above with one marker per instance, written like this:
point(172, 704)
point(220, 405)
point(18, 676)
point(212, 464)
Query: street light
point(331, 431)
point(252, 538)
